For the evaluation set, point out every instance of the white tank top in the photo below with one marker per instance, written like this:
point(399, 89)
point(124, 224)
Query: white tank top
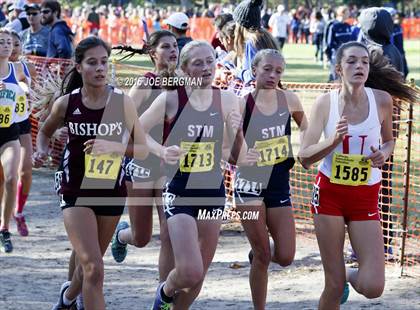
point(9, 98)
point(360, 137)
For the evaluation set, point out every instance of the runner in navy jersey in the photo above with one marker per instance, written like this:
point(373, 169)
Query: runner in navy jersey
point(144, 179)
point(193, 137)
point(357, 125)
point(10, 94)
point(92, 190)
point(262, 182)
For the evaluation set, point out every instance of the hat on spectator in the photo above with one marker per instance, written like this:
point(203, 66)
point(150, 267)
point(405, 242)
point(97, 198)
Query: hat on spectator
point(178, 20)
point(32, 6)
point(248, 14)
point(19, 5)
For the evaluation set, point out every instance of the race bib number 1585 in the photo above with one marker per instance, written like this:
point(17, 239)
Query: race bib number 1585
point(350, 169)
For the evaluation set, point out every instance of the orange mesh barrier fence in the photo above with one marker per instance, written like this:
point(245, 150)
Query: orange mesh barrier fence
point(54, 68)
point(411, 28)
point(411, 217)
point(202, 28)
point(129, 31)
point(400, 195)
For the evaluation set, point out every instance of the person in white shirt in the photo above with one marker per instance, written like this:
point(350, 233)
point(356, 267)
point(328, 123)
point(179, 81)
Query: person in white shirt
point(278, 23)
point(20, 23)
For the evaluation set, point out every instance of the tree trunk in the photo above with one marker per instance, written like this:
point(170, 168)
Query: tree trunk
point(286, 4)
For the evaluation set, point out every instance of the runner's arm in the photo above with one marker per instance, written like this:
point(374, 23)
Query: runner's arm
point(153, 116)
point(311, 149)
point(138, 148)
point(54, 121)
point(297, 112)
point(234, 146)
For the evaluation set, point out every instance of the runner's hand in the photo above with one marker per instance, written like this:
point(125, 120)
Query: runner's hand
point(234, 120)
point(377, 157)
point(341, 129)
point(251, 157)
point(38, 159)
point(172, 154)
point(99, 146)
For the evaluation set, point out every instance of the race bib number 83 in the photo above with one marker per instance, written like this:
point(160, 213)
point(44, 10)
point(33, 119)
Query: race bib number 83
point(350, 169)
point(21, 105)
point(5, 116)
point(105, 166)
point(272, 151)
point(199, 157)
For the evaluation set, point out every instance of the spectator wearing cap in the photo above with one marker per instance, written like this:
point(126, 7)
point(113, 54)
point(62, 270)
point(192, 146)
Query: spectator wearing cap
point(250, 37)
point(35, 38)
point(20, 22)
point(60, 40)
point(178, 24)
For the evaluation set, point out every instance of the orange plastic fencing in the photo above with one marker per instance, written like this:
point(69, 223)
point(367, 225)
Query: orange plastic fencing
point(411, 219)
point(411, 28)
point(400, 216)
point(129, 31)
point(56, 68)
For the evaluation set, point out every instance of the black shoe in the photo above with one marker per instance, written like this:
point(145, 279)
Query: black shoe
point(6, 245)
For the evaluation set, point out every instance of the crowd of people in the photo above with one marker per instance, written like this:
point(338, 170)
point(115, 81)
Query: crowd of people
point(165, 145)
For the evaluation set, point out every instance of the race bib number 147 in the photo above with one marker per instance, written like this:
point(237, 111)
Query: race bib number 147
point(105, 166)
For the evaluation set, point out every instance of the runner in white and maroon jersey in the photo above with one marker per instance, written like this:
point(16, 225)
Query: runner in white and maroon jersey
point(357, 124)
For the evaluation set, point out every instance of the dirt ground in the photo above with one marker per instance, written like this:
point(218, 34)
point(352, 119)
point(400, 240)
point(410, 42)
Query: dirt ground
point(31, 276)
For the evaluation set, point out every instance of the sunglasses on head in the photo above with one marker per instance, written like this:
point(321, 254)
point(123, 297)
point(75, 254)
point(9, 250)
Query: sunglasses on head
point(46, 11)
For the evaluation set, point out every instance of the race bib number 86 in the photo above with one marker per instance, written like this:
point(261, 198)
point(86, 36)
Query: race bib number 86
point(350, 169)
point(5, 116)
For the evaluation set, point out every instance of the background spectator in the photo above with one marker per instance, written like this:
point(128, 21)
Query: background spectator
point(35, 38)
point(319, 36)
point(20, 22)
point(250, 37)
point(94, 21)
point(178, 24)
point(376, 29)
point(220, 21)
point(278, 23)
point(339, 33)
point(60, 41)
